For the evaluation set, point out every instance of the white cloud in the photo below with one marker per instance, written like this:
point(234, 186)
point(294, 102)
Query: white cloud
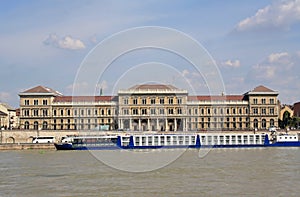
point(231, 63)
point(67, 42)
point(278, 57)
point(281, 14)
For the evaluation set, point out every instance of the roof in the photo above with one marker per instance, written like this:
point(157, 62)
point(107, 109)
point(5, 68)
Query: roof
point(41, 90)
point(262, 88)
point(216, 98)
point(83, 98)
point(2, 113)
point(153, 87)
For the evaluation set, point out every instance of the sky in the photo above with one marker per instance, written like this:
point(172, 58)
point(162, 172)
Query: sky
point(252, 43)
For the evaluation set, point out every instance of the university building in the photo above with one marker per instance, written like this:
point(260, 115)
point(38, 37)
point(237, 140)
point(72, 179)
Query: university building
point(148, 107)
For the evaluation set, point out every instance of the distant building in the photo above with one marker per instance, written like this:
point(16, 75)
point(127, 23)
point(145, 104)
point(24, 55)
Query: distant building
point(154, 107)
point(8, 117)
point(297, 109)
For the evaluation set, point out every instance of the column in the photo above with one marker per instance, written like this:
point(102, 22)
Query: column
point(148, 125)
point(175, 124)
point(157, 125)
point(166, 125)
point(139, 125)
point(130, 124)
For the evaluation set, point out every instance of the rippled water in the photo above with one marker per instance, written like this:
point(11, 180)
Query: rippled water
point(222, 172)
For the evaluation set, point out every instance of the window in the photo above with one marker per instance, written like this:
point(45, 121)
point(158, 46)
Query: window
point(26, 112)
point(255, 123)
point(82, 112)
point(45, 112)
point(126, 112)
point(179, 101)
point(202, 111)
point(144, 111)
point(108, 112)
point(61, 112)
point(161, 111)
point(170, 101)
point(135, 101)
point(233, 110)
point(271, 110)
point(162, 101)
point(152, 111)
point(179, 111)
point(134, 111)
point(152, 101)
point(69, 112)
point(75, 112)
point(36, 112)
point(272, 122)
point(26, 125)
point(144, 101)
point(196, 111)
point(263, 110)
point(272, 101)
point(36, 125)
point(263, 123)
point(54, 112)
point(26, 102)
point(170, 111)
point(208, 110)
point(125, 101)
point(255, 101)
point(228, 111)
point(45, 125)
point(96, 112)
point(89, 112)
point(45, 102)
point(263, 101)
point(36, 102)
point(255, 110)
point(240, 111)
point(215, 111)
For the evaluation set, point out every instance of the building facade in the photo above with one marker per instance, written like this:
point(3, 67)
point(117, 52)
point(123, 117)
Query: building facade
point(148, 107)
point(8, 117)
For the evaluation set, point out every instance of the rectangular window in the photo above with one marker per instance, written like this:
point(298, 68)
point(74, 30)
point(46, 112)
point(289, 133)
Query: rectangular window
point(263, 110)
point(196, 111)
point(255, 101)
point(125, 101)
point(134, 111)
point(170, 111)
point(135, 101)
point(61, 112)
point(161, 111)
point(144, 101)
point(255, 110)
point(126, 112)
point(45, 112)
point(272, 101)
point(179, 101)
point(271, 110)
point(36, 102)
point(152, 101)
point(263, 101)
point(152, 111)
point(69, 112)
point(161, 101)
point(26, 102)
point(45, 102)
point(170, 101)
point(144, 111)
point(179, 111)
point(36, 112)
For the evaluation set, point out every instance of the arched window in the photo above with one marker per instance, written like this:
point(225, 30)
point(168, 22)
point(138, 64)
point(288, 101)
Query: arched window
point(272, 122)
point(255, 123)
point(26, 125)
point(35, 125)
point(264, 123)
point(45, 125)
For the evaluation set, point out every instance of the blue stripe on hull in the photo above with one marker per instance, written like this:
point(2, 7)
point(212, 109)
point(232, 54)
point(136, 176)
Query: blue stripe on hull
point(285, 144)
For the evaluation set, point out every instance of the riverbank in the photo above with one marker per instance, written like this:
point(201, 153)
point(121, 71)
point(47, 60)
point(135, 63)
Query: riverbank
point(26, 146)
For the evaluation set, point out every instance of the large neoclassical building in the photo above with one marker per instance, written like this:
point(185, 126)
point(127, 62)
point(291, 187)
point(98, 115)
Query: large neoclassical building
point(148, 107)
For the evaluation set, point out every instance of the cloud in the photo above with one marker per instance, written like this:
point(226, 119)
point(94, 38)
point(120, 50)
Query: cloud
point(231, 63)
point(279, 58)
point(67, 42)
point(281, 14)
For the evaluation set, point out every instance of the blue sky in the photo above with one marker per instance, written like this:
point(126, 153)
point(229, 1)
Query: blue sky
point(253, 42)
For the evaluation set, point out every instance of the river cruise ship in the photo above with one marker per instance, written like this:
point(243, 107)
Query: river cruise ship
point(197, 140)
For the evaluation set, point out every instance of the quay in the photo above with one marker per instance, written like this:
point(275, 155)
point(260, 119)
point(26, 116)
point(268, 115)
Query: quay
point(26, 146)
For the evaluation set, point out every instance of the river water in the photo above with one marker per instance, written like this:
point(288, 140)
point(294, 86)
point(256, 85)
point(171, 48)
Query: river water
point(221, 172)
